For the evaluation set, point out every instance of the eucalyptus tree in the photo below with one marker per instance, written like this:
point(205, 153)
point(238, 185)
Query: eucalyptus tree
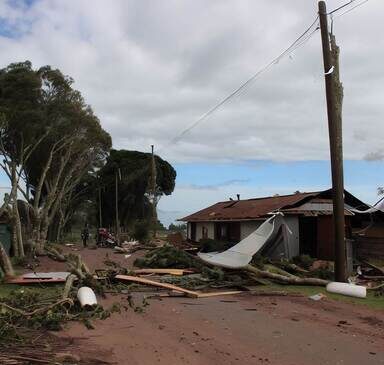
point(51, 144)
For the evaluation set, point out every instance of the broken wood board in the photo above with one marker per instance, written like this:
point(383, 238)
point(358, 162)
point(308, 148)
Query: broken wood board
point(218, 293)
point(177, 272)
point(136, 279)
point(370, 264)
point(39, 278)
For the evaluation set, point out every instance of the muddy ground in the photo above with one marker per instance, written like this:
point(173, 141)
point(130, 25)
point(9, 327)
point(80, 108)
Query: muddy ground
point(241, 329)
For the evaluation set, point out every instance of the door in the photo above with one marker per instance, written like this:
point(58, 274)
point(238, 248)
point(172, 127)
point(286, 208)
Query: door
point(193, 231)
point(308, 236)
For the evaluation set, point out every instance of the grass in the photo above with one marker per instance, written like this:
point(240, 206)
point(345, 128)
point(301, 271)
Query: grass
point(371, 301)
point(46, 290)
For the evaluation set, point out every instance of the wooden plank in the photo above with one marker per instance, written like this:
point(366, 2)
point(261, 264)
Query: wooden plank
point(176, 272)
point(25, 281)
point(218, 293)
point(136, 279)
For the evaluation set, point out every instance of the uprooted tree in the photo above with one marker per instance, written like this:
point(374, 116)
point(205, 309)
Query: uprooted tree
point(49, 140)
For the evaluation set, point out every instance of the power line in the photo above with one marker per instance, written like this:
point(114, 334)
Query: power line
point(287, 51)
point(341, 7)
point(353, 8)
point(345, 5)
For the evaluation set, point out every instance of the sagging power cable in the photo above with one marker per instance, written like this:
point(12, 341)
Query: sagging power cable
point(293, 46)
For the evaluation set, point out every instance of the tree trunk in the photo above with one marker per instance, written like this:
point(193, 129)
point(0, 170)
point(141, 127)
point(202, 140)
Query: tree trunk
point(17, 226)
point(286, 279)
point(5, 262)
point(35, 231)
point(15, 245)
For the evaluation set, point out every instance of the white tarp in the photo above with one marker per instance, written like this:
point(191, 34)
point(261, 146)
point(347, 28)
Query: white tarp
point(241, 254)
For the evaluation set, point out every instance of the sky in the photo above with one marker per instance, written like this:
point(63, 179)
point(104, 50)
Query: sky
point(151, 68)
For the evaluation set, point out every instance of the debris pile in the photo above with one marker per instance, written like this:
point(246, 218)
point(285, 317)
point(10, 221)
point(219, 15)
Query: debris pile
point(25, 311)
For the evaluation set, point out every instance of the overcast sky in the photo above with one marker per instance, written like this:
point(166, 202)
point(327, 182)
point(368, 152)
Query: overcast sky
point(150, 69)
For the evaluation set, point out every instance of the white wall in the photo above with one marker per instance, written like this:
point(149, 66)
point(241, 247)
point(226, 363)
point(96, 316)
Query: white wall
point(247, 227)
point(199, 230)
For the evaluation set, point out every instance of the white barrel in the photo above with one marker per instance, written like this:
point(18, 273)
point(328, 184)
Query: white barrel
point(350, 290)
point(86, 296)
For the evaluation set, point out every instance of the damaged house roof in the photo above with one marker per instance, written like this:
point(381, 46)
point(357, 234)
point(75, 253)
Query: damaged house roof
point(258, 208)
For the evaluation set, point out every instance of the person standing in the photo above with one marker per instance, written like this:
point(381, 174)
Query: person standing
point(85, 235)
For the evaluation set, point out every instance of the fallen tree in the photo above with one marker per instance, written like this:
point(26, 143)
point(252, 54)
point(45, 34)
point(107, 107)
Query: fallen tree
point(292, 279)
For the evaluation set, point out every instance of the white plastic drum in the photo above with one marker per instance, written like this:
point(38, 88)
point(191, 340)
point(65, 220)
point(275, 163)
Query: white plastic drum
point(86, 297)
point(350, 290)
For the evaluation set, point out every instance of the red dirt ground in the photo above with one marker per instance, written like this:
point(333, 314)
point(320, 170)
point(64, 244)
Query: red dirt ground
point(240, 329)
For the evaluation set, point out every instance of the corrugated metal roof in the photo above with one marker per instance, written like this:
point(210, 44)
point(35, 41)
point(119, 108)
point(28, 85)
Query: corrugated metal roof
point(247, 209)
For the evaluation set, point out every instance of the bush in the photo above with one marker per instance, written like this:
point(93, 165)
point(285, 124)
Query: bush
point(304, 261)
point(141, 231)
point(210, 245)
point(168, 257)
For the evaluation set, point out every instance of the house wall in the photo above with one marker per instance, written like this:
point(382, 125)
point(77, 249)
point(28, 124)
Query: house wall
point(293, 236)
point(247, 227)
point(210, 226)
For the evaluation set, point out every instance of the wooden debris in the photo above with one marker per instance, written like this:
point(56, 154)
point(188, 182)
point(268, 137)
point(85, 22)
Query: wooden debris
point(377, 268)
point(286, 279)
point(219, 293)
point(20, 280)
point(176, 272)
point(144, 281)
point(39, 310)
point(68, 285)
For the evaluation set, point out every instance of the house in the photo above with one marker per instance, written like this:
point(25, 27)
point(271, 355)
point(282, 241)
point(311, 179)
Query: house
point(368, 232)
point(308, 218)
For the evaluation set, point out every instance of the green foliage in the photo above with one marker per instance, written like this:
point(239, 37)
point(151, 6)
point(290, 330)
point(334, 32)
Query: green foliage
point(323, 273)
point(15, 326)
point(304, 261)
point(46, 126)
point(259, 261)
point(135, 170)
point(141, 230)
point(19, 261)
point(182, 227)
point(168, 257)
point(210, 245)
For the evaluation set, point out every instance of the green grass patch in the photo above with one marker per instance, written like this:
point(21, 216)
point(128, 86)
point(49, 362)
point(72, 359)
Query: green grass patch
point(372, 301)
point(46, 290)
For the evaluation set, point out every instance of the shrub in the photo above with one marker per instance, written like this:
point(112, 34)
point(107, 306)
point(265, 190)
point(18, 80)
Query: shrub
point(141, 231)
point(304, 261)
point(210, 245)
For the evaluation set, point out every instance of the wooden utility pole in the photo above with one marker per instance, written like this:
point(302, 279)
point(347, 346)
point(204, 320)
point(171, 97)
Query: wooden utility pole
point(100, 215)
point(117, 174)
point(153, 191)
point(336, 146)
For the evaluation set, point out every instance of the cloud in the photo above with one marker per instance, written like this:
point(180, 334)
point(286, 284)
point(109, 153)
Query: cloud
point(213, 186)
point(374, 156)
point(150, 69)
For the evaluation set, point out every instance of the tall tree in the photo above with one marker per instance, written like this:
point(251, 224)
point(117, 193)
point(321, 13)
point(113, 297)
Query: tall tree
point(58, 140)
point(135, 168)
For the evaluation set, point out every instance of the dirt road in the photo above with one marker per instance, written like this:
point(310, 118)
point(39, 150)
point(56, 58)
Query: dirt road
point(242, 329)
point(238, 330)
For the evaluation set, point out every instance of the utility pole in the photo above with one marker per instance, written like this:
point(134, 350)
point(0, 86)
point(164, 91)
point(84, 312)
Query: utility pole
point(153, 191)
point(117, 175)
point(336, 147)
point(100, 216)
